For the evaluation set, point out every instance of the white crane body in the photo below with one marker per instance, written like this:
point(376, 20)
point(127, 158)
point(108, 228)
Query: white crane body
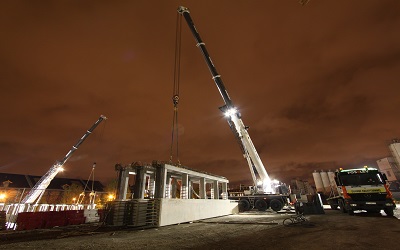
point(266, 192)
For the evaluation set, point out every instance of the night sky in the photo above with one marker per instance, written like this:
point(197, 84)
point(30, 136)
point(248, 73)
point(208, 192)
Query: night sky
point(318, 85)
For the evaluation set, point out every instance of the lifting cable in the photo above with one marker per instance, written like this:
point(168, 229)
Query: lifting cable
point(175, 94)
point(82, 195)
point(92, 193)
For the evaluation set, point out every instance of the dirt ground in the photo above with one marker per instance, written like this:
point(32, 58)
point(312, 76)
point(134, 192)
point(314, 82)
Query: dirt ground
point(253, 230)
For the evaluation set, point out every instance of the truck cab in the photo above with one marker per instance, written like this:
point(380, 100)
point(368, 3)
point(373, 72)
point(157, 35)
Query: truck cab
point(362, 189)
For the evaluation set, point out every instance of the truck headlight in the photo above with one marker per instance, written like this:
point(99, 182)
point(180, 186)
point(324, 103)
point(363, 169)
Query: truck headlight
point(353, 205)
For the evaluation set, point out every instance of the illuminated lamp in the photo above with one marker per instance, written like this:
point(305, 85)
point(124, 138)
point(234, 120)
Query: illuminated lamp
point(274, 181)
point(110, 197)
point(230, 112)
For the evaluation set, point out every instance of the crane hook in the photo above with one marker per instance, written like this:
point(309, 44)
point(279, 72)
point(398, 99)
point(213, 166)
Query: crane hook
point(175, 100)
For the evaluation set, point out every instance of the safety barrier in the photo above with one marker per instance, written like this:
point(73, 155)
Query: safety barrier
point(12, 211)
point(50, 219)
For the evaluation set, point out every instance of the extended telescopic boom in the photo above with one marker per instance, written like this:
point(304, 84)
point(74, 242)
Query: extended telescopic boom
point(260, 177)
point(202, 46)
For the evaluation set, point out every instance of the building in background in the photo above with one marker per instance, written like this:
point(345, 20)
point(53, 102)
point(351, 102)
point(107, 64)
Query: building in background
point(13, 187)
point(391, 165)
point(388, 166)
point(395, 150)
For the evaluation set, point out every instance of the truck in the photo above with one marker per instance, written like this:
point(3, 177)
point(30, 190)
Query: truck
point(361, 189)
point(266, 193)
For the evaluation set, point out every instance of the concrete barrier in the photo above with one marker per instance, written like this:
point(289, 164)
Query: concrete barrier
point(175, 211)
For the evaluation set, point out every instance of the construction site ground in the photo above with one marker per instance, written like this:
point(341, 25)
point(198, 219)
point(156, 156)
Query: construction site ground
point(250, 230)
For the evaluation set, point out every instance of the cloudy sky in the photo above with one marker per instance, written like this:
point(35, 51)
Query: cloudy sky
point(318, 85)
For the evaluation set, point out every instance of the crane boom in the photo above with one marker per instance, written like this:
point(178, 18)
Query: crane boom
point(44, 182)
point(202, 46)
point(261, 180)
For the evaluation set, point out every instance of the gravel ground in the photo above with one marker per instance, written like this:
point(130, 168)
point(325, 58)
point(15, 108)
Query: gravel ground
point(253, 230)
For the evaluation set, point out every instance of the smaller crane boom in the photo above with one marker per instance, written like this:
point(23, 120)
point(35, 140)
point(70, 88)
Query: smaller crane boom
point(44, 182)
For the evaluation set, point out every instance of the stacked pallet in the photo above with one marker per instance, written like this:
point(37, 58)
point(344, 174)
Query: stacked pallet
point(145, 212)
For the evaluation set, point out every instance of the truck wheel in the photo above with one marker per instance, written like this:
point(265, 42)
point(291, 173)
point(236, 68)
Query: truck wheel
point(261, 205)
point(276, 205)
point(244, 205)
point(350, 211)
point(341, 205)
point(389, 211)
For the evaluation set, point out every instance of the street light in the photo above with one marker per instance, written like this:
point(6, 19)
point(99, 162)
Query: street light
point(3, 196)
point(111, 197)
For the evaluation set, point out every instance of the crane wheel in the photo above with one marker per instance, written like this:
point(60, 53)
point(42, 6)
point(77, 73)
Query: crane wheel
point(244, 205)
point(276, 205)
point(261, 205)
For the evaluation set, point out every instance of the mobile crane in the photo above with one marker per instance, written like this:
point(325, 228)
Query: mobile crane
point(265, 192)
point(38, 190)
